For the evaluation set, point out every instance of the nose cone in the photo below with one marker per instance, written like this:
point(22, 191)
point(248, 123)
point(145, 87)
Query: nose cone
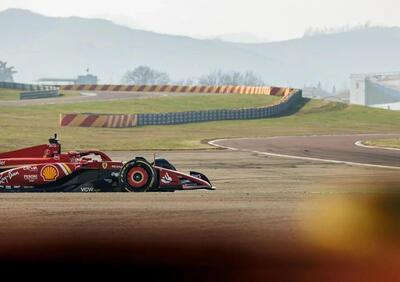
point(206, 181)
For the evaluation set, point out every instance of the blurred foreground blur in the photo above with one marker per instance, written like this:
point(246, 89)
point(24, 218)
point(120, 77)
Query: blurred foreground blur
point(345, 237)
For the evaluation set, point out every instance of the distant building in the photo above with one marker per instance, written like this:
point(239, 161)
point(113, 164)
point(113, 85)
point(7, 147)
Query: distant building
point(80, 79)
point(380, 90)
point(86, 79)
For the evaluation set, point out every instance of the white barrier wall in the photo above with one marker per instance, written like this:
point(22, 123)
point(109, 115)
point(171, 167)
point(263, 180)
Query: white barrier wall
point(357, 90)
point(372, 90)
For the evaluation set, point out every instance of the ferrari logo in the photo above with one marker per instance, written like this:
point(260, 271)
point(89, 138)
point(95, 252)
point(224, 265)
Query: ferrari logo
point(49, 173)
point(105, 165)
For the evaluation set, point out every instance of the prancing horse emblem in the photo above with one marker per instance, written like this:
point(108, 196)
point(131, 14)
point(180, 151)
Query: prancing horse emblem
point(166, 179)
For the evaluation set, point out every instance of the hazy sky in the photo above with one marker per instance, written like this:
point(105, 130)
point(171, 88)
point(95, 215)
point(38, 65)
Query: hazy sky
point(275, 20)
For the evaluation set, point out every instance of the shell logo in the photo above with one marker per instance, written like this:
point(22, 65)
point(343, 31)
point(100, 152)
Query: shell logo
point(49, 173)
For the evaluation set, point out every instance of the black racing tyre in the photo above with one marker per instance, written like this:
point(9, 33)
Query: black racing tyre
point(137, 176)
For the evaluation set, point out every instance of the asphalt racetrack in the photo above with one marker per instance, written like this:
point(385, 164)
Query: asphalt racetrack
point(335, 148)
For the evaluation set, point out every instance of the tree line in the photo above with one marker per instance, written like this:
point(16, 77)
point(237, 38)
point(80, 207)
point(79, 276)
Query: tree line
point(144, 75)
point(6, 73)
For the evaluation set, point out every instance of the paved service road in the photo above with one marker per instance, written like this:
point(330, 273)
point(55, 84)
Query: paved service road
point(338, 148)
point(95, 97)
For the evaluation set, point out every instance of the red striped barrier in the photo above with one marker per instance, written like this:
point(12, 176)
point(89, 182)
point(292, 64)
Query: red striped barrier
point(226, 89)
point(98, 120)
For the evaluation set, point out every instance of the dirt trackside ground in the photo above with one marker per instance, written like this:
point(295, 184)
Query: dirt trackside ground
point(261, 207)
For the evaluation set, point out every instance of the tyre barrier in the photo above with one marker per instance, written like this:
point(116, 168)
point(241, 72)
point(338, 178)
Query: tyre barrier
point(98, 120)
point(38, 94)
point(125, 121)
point(264, 90)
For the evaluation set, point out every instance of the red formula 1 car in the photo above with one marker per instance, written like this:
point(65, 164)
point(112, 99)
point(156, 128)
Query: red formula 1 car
point(44, 168)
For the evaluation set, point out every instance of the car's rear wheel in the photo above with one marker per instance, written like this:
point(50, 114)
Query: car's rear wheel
point(137, 176)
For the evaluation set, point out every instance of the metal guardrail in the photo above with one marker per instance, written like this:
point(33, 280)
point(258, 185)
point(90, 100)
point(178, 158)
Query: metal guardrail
point(217, 115)
point(26, 87)
point(39, 94)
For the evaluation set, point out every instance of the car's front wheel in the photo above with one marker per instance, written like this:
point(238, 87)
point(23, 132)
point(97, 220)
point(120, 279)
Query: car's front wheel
point(137, 176)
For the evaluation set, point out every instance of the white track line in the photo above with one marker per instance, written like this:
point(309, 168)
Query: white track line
point(360, 144)
point(88, 94)
point(213, 143)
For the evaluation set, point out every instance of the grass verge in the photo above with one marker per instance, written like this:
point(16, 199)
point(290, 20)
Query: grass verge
point(9, 94)
point(387, 143)
point(26, 126)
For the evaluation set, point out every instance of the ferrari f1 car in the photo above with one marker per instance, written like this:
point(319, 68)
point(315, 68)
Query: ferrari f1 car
point(45, 168)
